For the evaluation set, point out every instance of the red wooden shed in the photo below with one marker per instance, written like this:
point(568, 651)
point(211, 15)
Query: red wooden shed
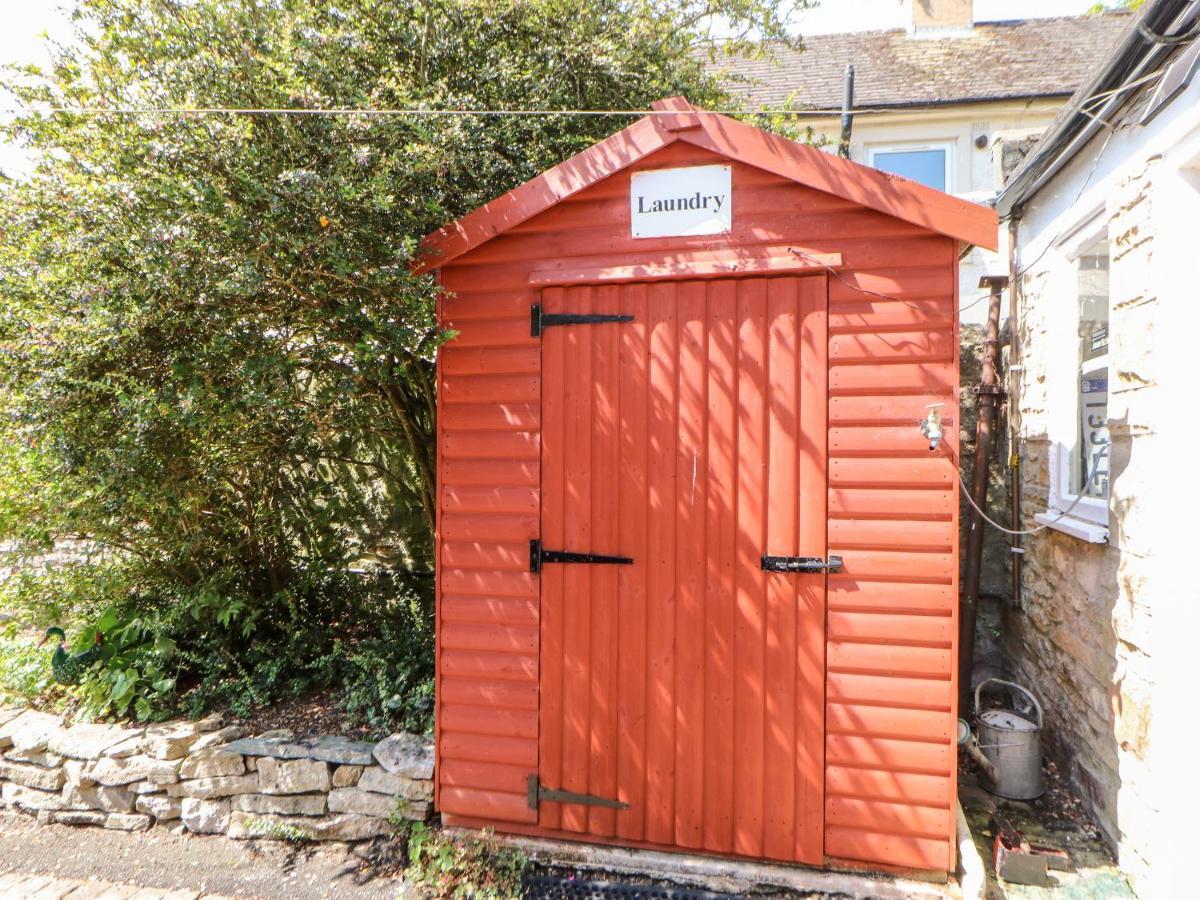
point(687, 376)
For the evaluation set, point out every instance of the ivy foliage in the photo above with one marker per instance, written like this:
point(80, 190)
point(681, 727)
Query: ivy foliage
point(215, 363)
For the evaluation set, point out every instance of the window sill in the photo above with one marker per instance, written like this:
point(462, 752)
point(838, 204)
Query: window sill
point(1078, 528)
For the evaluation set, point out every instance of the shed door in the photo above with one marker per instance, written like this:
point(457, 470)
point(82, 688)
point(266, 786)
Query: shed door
point(690, 683)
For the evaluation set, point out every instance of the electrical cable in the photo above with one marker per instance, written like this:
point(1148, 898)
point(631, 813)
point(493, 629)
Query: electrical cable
point(1044, 526)
point(966, 490)
point(351, 111)
point(1168, 40)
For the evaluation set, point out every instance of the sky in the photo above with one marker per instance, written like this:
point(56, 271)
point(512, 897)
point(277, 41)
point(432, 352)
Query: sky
point(25, 20)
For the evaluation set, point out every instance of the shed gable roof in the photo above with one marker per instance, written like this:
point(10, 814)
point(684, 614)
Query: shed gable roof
point(677, 120)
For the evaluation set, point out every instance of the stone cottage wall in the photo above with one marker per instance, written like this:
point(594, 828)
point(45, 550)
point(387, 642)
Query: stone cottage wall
point(1080, 639)
point(208, 778)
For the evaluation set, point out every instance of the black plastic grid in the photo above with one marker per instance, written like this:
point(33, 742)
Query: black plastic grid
point(554, 887)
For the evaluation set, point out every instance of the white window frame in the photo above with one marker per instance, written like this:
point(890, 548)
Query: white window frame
point(1088, 517)
point(947, 148)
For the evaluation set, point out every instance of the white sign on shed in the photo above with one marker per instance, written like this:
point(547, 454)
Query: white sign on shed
point(671, 202)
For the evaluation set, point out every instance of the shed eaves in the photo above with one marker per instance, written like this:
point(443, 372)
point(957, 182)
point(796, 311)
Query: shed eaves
point(677, 120)
point(993, 61)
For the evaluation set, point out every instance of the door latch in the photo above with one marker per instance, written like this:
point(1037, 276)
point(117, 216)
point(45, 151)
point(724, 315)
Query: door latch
point(807, 564)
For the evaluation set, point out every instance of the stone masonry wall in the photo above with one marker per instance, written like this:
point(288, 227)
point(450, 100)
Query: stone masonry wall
point(208, 778)
point(1080, 639)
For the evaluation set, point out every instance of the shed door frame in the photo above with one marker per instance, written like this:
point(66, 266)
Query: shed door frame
point(695, 366)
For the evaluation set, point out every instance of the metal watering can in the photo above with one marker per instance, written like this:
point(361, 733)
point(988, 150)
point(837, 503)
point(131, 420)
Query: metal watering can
point(1011, 740)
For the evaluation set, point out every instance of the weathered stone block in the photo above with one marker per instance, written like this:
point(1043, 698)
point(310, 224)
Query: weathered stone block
point(27, 798)
point(244, 826)
point(346, 776)
point(205, 816)
point(297, 776)
point(379, 780)
point(281, 745)
point(211, 763)
point(128, 747)
point(76, 772)
point(282, 804)
point(43, 758)
point(127, 822)
point(32, 776)
point(366, 803)
point(171, 742)
point(277, 747)
point(88, 741)
point(110, 799)
point(415, 810)
point(218, 737)
point(116, 772)
point(210, 788)
point(145, 787)
point(211, 722)
point(80, 817)
point(29, 731)
point(406, 754)
point(160, 806)
point(341, 751)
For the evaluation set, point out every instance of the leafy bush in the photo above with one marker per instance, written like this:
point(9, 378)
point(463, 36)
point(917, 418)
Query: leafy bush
point(169, 650)
point(216, 363)
point(24, 673)
point(462, 866)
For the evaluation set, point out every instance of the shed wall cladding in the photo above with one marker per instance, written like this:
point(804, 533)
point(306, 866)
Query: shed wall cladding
point(889, 759)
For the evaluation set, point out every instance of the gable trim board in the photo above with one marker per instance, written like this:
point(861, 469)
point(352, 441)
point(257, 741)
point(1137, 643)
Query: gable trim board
point(906, 200)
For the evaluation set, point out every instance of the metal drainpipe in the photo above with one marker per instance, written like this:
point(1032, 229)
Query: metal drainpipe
point(847, 115)
point(988, 392)
point(1016, 551)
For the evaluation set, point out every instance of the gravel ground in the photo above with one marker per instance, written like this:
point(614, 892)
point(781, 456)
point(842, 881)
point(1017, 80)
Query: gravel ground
point(160, 859)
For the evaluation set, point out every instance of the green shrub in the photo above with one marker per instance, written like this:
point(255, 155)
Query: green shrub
point(216, 359)
point(169, 650)
point(462, 866)
point(24, 668)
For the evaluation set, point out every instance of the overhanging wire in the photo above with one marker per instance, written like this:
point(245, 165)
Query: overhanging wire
point(966, 490)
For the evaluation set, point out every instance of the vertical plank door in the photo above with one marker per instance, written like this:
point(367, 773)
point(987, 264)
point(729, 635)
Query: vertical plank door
point(688, 685)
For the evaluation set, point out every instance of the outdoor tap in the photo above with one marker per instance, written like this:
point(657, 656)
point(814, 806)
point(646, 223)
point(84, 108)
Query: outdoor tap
point(931, 425)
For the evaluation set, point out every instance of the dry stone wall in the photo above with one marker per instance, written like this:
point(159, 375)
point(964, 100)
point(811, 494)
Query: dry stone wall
point(207, 777)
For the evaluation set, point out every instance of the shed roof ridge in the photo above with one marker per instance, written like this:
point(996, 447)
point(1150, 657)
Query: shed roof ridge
point(890, 194)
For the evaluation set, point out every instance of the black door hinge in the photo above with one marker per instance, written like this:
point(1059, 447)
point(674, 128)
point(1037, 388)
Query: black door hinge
point(535, 794)
point(539, 320)
point(539, 555)
point(801, 564)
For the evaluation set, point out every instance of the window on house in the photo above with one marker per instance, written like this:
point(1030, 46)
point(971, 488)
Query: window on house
point(1077, 386)
point(928, 164)
point(1090, 463)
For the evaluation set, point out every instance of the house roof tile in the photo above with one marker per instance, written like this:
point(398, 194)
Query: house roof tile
point(993, 61)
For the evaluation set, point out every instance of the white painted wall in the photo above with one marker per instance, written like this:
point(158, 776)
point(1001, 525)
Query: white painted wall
point(1117, 623)
point(975, 174)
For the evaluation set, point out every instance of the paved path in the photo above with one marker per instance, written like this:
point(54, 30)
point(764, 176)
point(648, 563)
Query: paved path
point(54, 861)
point(43, 887)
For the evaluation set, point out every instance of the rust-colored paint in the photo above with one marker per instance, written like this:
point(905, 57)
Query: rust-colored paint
point(692, 685)
point(693, 441)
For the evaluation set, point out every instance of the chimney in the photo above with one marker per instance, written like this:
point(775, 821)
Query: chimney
point(940, 16)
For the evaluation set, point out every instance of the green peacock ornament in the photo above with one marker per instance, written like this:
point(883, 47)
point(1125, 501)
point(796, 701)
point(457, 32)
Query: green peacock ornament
point(68, 668)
